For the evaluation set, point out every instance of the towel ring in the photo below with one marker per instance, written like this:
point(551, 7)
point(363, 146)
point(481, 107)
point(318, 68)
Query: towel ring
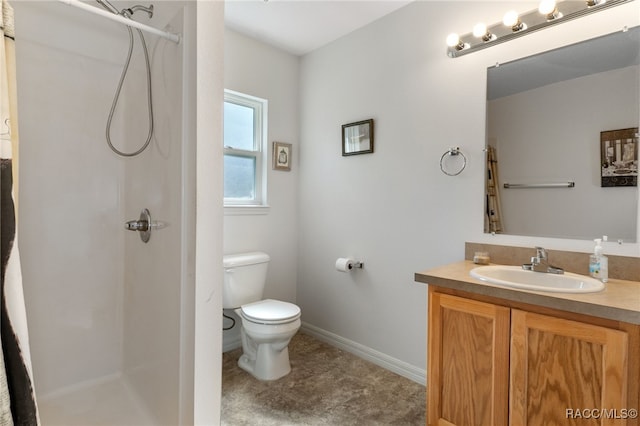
point(453, 152)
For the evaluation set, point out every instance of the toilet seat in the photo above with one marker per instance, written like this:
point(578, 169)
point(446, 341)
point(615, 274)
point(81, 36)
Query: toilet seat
point(270, 311)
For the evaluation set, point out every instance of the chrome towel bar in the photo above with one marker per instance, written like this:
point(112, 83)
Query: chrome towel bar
point(540, 185)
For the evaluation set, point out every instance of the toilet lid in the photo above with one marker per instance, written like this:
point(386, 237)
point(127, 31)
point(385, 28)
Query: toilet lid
point(270, 311)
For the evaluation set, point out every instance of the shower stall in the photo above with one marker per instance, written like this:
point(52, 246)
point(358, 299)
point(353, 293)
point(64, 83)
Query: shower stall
point(111, 317)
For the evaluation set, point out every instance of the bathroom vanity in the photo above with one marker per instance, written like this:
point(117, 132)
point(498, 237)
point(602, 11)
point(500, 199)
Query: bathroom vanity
point(500, 355)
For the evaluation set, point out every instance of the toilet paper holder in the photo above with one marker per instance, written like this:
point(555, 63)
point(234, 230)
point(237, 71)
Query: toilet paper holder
point(347, 264)
point(357, 265)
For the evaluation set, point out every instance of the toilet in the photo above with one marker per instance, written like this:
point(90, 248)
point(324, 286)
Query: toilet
point(267, 325)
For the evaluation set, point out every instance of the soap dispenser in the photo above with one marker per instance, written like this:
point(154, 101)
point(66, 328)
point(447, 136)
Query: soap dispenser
point(598, 263)
point(594, 260)
point(604, 264)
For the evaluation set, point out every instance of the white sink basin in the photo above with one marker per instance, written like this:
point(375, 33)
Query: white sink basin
point(515, 276)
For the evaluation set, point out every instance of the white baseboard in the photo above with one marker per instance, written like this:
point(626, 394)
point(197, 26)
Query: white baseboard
point(402, 368)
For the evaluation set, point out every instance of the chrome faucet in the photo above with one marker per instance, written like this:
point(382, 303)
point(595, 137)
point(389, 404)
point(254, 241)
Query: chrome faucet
point(540, 263)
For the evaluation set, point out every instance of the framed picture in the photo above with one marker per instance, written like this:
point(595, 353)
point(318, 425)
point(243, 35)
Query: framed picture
point(619, 157)
point(281, 156)
point(357, 138)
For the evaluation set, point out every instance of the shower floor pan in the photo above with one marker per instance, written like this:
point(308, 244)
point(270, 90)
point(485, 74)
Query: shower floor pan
point(104, 402)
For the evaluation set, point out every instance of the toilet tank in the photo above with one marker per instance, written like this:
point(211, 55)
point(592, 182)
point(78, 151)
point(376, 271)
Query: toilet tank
point(244, 278)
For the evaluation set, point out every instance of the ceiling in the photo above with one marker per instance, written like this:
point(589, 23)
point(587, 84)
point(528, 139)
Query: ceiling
point(301, 26)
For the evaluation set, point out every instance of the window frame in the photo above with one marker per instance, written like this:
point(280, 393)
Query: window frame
point(258, 204)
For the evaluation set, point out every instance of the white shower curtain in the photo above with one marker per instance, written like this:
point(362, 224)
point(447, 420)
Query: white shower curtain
point(17, 396)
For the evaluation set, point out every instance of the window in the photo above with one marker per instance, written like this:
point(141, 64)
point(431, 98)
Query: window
point(245, 129)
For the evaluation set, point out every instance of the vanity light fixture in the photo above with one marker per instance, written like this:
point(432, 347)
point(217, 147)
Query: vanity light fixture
point(515, 25)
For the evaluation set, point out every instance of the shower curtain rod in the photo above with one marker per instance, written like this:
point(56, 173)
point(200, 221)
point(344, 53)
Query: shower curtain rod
point(118, 18)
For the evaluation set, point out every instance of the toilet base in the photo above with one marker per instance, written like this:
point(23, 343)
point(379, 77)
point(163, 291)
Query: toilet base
point(267, 368)
point(266, 356)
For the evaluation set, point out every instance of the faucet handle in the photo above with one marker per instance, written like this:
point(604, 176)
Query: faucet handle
point(541, 253)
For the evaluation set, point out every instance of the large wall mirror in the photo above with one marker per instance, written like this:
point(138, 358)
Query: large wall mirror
point(546, 115)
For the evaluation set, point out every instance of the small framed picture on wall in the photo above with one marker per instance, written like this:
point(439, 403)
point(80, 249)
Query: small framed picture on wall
point(282, 156)
point(619, 157)
point(357, 138)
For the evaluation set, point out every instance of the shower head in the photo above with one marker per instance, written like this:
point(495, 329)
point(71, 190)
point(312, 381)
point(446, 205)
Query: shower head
point(127, 11)
point(108, 6)
point(138, 7)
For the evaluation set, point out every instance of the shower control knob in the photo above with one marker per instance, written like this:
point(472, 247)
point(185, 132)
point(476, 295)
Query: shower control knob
point(143, 225)
point(137, 225)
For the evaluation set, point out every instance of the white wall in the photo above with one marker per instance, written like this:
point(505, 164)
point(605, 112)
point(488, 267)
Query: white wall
point(257, 69)
point(538, 141)
point(394, 209)
point(206, 95)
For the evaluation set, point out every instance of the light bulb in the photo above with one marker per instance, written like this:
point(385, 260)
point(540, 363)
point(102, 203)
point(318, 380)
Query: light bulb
point(547, 6)
point(453, 40)
point(511, 18)
point(549, 9)
point(479, 30)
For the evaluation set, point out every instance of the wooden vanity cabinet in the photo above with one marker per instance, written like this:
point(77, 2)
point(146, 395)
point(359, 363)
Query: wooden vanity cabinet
point(491, 363)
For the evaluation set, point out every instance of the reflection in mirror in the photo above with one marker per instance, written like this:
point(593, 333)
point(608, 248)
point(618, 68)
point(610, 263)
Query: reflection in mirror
point(546, 115)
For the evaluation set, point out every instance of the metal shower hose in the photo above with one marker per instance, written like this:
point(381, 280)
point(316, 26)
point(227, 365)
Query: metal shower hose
point(117, 94)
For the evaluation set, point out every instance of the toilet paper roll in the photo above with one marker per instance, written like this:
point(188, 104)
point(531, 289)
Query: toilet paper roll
point(344, 264)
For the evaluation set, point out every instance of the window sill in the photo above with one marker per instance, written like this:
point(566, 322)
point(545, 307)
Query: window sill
point(245, 210)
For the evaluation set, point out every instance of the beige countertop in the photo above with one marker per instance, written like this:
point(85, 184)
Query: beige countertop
point(620, 299)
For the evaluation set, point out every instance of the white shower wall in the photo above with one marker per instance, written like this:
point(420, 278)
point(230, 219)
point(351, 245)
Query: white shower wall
point(100, 302)
point(70, 197)
point(152, 275)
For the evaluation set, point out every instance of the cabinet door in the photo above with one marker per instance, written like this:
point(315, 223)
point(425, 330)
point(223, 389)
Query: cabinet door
point(559, 367)
point(468, 362)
